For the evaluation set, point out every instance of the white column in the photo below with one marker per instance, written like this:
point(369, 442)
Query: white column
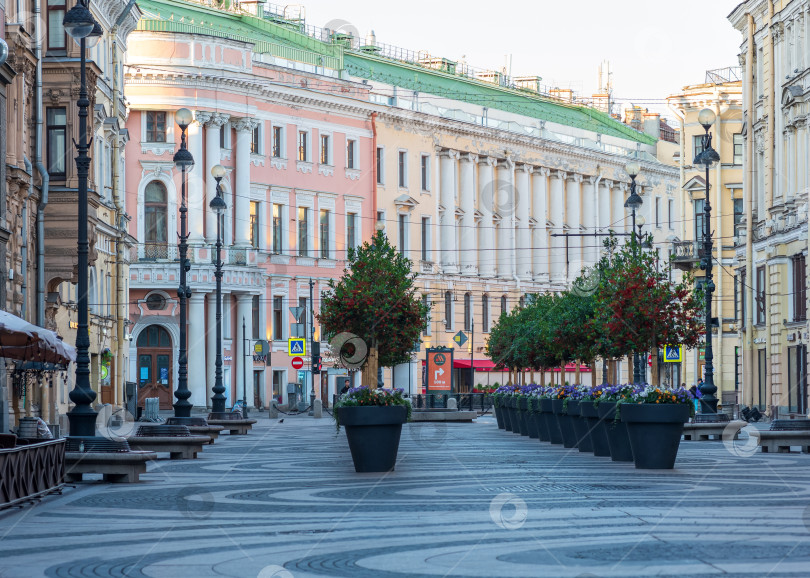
point(244, 130)
point(540, 215)
point(243, 365)
point(466, 178)
point(523, 241)
point(213, 127)
point(573, 203)
point(620, 216)
point(447, 199)
point(504, 197)
point(557, 207)
point(603, 196)
point(210, 346)
point(487, 256)
point(590, 245)
point(196, 349)
point(196, 185)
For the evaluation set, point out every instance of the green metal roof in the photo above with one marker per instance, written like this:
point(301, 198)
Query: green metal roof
point(286, 41)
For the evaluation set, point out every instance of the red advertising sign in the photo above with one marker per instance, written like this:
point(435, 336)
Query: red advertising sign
point(297, 363)
point(439, 370)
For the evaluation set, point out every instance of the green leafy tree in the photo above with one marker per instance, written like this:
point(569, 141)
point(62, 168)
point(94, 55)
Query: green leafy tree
point(376, 299)
point(637, 308)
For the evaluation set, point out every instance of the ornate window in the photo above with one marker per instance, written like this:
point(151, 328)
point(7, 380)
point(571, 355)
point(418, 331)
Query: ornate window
point(155, 213)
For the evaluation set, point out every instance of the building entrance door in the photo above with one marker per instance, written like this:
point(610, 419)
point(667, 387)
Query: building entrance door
point(155, 366)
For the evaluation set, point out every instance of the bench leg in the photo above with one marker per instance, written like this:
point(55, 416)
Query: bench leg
point(687, 437)
point(126, 478)
point(73, 477)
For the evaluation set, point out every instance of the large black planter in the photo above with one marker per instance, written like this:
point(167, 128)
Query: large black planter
point(541, 421)
point(522, 412)
point(596, 429)
point(507, 413)
point(499, 413)
point(373, 434)
point(655, 432)
point(554, 433)
point(531, 422)
point(580, 427)
point(513, 416)
point(618, 439)
point(569, 437)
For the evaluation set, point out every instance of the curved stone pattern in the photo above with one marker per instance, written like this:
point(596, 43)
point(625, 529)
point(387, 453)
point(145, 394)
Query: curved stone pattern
point(465, 500)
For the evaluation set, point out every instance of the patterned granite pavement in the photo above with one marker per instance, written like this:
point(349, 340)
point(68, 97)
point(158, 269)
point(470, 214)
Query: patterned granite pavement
point(465, 500)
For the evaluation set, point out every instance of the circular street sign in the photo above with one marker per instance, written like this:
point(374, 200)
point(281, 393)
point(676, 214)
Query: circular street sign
point(440, 359)
point(297, 363)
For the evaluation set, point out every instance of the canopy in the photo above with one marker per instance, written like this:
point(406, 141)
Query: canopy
point(24, 341)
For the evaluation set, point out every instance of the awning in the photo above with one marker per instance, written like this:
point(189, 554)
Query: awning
point(24, 341)
point(488, 365)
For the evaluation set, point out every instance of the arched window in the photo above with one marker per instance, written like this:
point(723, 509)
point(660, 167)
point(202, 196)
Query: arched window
point(155, 215)
point(503, 304)
point(448, 310)
point(467, 312)
point(154, 336)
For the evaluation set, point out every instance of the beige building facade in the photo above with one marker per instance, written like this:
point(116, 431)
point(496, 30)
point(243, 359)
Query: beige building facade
point(721, 93)
point(772, 241)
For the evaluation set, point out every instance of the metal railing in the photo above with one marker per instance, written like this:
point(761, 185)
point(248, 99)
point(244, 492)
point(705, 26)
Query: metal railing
point(155, 252)
point(31, 470)
point(687, 251)
point(724, 75)
point(480, 402)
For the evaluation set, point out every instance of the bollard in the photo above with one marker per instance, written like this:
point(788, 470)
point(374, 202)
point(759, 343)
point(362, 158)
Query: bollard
point(272, 412)
point(317, 408)
point(452, 404)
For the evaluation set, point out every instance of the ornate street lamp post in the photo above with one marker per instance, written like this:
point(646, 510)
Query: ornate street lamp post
point(218, 205)
point(82, 27)
point(634, 202)
point(183, 161)
point(707, 158)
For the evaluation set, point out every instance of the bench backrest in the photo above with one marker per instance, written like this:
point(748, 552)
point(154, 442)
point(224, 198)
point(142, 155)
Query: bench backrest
point(790, 424)
point(162, 431)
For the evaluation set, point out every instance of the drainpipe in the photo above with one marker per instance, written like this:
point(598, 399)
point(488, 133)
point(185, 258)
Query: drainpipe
point(770, 186)
point(24, 247)
point(119, 395)
point(43, 172)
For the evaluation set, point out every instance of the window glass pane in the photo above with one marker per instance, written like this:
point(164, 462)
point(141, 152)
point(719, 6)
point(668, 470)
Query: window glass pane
point(155, 192)
point(302, 231)
point(56, 30)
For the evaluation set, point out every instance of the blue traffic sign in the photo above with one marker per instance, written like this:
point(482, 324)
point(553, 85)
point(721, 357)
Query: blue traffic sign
point(296, 346)
point(673, 353)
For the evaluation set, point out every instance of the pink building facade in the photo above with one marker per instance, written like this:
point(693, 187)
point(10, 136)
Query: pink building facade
point(298, 147)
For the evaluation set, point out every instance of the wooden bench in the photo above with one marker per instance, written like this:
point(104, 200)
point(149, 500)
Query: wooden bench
point(707, 431)
point(784, 434)
point(113, 459)
point(236, 425)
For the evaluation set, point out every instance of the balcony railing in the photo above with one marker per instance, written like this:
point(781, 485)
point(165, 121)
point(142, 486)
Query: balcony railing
point(31, 470)
point(155, 252)
point(687, 251)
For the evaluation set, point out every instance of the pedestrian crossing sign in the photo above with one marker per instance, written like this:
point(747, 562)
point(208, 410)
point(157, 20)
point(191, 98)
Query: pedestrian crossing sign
point(673, 353)
point(296, 346)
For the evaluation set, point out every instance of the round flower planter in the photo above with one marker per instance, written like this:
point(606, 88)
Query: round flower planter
point(522, 413)
point(580, 427)
point(506, 412)
point(596, 429)
point(499, 413)
point(655, 432)
point(618, 440)
point(531, 422)
point(373, 433)
point(549, 422)
point(564, 423)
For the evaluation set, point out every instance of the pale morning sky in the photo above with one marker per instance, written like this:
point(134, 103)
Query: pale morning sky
point(654, 47)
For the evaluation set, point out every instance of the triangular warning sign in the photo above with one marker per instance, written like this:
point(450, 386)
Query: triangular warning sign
point(673, 353)
point(297, 347)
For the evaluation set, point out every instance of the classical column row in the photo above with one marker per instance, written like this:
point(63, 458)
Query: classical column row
point(202, 186)
point(496, 217)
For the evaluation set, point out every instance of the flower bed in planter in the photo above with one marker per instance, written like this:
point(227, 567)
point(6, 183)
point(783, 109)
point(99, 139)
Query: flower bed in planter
point(373, 422)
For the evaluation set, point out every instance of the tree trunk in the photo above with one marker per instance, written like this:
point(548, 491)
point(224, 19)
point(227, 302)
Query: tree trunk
point(632, 370)
point(562, 373)
point(542, 377)
point(655, 378)
point(370, 369)
point(593, 373)
point(577, 375)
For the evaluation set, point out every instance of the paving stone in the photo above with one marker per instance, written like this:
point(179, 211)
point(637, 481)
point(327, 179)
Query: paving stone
point(465, 500)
